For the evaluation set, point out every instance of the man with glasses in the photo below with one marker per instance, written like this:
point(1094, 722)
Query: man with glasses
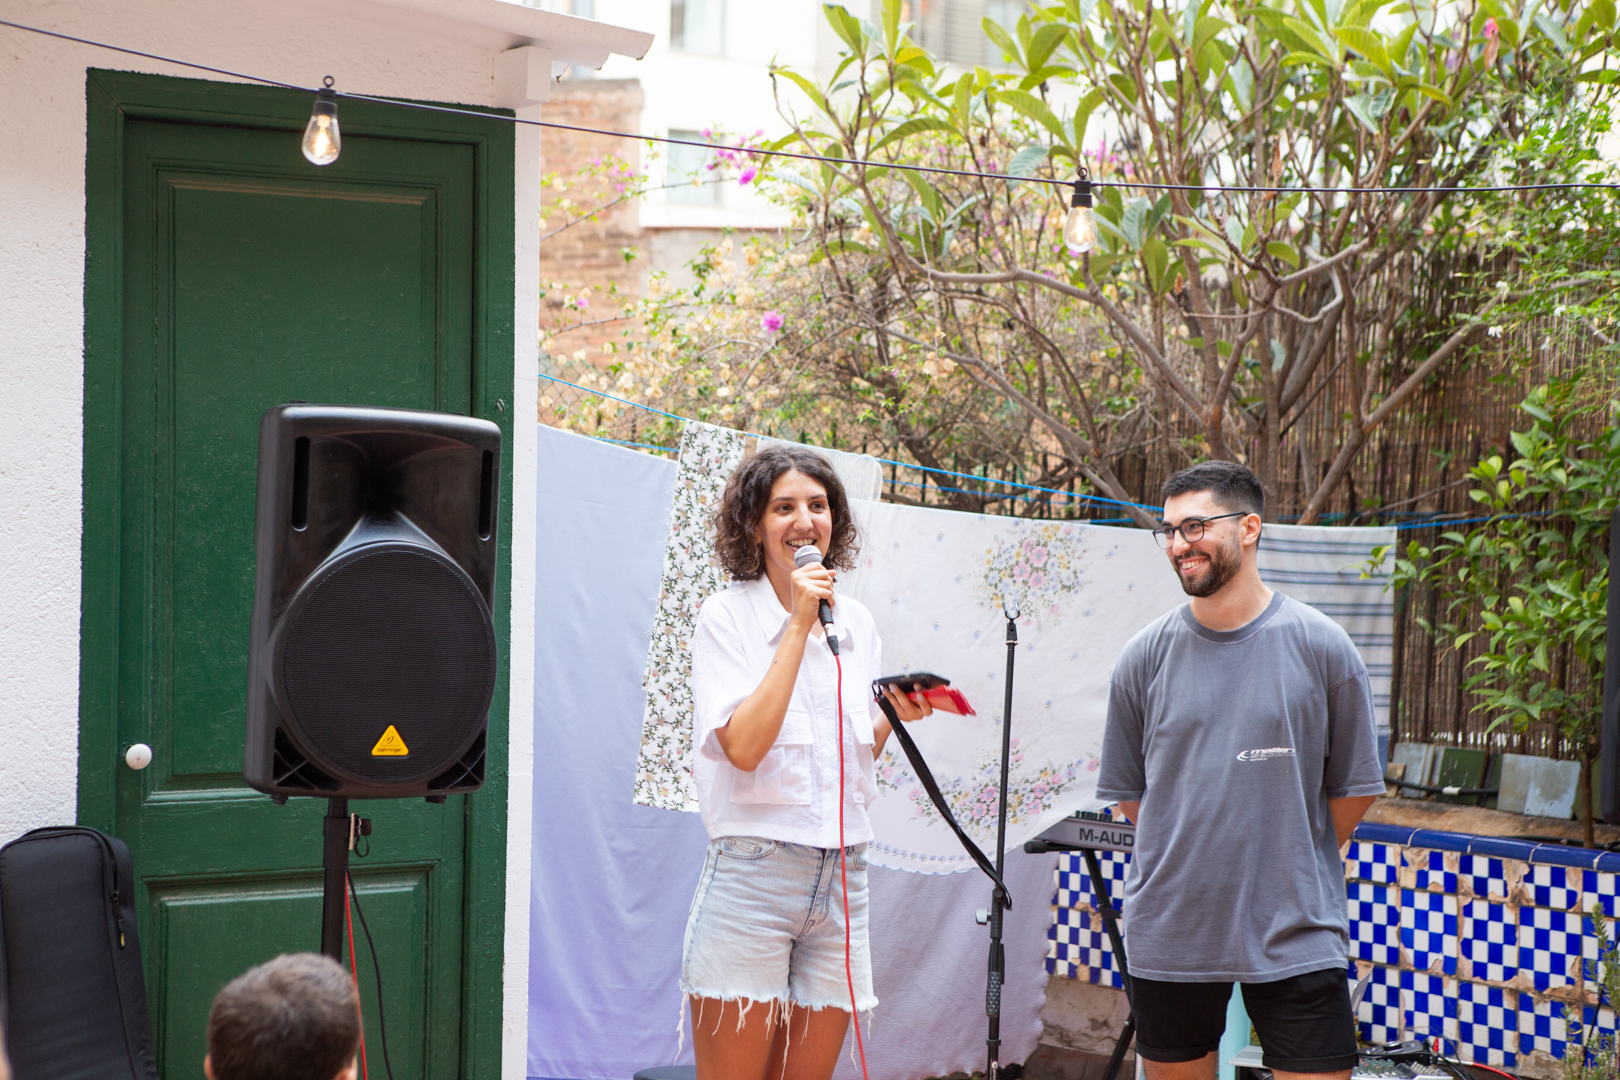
point(1241, 740)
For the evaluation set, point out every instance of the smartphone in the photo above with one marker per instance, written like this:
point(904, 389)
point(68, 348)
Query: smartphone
point(909, 684)
point(922, 684)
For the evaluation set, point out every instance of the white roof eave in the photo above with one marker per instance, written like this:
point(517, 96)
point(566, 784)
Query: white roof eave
point(500, 25)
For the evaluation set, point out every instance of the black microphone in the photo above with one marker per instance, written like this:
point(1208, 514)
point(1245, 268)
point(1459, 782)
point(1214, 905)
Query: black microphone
point(804, 557)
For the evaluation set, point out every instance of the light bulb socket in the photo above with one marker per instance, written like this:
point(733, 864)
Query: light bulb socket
point(1082, 193)
point(325, 102)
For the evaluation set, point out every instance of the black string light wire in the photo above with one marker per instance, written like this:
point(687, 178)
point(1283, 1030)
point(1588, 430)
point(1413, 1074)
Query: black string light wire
point(822, 159)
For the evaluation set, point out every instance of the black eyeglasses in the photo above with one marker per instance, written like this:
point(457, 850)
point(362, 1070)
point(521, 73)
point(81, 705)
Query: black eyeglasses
point(1191, 530)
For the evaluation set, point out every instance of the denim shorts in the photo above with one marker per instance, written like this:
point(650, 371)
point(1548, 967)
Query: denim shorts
point(767, 925)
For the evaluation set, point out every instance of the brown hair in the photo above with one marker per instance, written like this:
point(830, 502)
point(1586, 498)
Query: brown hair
point(748, 492)
point(294, 1018)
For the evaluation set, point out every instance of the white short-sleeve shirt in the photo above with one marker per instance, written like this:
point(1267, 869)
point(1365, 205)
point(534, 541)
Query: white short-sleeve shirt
point(793, 795)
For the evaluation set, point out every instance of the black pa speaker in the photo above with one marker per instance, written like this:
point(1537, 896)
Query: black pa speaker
point(373, 650)
point(1609, 758)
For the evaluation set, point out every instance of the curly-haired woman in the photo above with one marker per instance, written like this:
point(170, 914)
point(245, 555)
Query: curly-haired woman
point(784, 775)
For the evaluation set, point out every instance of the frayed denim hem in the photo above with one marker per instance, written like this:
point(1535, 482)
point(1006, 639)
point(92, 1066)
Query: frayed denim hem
point(783, 1007)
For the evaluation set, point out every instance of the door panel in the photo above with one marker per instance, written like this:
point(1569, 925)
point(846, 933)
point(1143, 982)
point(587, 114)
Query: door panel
point(252, 279)
point(258, 910)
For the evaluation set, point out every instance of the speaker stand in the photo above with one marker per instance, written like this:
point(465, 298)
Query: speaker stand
point(337, 829)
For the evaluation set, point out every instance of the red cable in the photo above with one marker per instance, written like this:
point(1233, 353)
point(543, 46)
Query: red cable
point(348, 920)
point(843, 870)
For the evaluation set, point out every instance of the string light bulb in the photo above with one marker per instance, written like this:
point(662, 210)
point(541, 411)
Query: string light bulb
point(322, 139)
point(1080, 227)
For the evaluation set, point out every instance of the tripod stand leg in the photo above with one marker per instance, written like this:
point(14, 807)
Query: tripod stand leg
point(335, 867)
point(1120, 1047)
point(1105, 908)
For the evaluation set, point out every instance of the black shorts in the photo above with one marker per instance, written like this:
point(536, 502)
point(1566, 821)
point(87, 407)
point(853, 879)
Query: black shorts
point(1304, 1021)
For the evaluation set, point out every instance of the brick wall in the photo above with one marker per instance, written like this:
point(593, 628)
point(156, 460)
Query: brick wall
point(589, 255)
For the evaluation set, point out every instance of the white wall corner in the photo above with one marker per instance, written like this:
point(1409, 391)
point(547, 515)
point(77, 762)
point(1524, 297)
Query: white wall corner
point(523, 76)
point(525, 439)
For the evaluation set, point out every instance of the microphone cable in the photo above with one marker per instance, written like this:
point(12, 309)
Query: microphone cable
point(843, 865)
point(354, 972)
point(382, 1022)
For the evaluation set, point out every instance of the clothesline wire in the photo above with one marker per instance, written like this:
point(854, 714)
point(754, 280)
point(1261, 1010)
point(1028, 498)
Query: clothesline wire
point(1435, 523)
point(885, 461)
point(1142, 185)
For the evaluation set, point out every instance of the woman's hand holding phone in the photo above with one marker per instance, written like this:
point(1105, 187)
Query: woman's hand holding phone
point(908, 707)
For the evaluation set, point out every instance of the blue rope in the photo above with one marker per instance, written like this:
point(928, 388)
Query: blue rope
point(637, 445)
point(886, 461)
point(1466, 521)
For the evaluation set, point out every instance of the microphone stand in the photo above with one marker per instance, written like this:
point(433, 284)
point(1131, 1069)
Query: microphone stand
point(998, 896)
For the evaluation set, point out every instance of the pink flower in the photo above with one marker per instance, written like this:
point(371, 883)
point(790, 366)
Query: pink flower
point(1491, 30)
point(748, 174)
point(772, 322)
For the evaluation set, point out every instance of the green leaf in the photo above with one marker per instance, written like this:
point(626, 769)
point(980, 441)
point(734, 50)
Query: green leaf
point(1279, 250)
point(1033, 107)
point(846, 26)
point(1156, 261)
point(1133, 223)
point(1436, 93)
point(795, 179)
point(963, 104)
point(1234, 233)
point(1360, 107)
point(1207, 27)
point(1040, 75)
point(1310, 39)
point(891, 25)
point(1025, 162)
point(1369, 44)
point(809, 88)
point(1552, 31)
point(927, 193)
point(1044, 43)
point(998, 34)
point(912, 127)
point(838, 247)
point(1082, 113)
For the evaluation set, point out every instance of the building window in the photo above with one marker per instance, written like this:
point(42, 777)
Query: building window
point(691, 179)
point(698, 26)
point(953, 30)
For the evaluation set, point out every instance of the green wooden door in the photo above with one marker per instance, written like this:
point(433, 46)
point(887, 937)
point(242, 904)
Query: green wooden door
point(246, 278)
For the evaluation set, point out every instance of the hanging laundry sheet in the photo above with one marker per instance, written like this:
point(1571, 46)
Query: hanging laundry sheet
point(1326, 567)
point(936, 582)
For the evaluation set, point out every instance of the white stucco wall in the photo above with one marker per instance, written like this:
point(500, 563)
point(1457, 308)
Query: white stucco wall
point(443, 50)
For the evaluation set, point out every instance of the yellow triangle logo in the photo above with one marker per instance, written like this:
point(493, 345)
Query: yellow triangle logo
point(390, 745)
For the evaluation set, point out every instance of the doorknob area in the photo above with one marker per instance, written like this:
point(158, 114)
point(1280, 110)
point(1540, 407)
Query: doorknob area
point(138, 756)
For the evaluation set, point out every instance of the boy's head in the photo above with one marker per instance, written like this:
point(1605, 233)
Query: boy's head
point(294, 1018)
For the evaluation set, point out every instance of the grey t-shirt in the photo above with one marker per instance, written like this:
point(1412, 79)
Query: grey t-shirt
point(1234, 742)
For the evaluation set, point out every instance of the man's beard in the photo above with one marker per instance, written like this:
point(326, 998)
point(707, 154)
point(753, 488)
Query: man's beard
point(1225, 560)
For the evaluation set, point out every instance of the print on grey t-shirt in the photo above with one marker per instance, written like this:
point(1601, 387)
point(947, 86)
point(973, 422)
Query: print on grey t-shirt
point(1234, 742)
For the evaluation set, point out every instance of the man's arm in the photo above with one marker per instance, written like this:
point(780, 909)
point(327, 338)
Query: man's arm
point(1345, 813)
point(1129, 809)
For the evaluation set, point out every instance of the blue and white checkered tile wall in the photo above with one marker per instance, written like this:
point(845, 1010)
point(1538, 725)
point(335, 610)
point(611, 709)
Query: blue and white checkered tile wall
point(1489, 954)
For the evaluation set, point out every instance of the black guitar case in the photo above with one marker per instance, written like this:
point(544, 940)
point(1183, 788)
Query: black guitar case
point(71, 988)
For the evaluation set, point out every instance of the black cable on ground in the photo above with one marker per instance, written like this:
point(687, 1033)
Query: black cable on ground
point(382, 1022)
point(1441, 790)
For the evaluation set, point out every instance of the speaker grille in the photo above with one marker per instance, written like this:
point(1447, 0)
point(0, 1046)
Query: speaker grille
point(394, 636)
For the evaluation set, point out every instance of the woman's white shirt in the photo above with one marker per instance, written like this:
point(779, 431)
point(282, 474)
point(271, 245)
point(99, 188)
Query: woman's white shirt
point(793, 795)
